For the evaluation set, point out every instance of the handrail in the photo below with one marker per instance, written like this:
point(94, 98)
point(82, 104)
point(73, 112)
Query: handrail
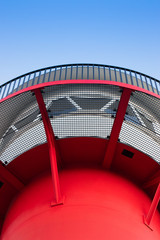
point(80, 71)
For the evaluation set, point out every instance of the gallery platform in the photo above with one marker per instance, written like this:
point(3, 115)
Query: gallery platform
point(80, 154)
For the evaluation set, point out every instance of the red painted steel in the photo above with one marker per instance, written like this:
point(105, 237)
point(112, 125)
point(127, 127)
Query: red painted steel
point(153, 206)
point(88, 151)
point(98, 205)
point(152, 181)
point(10, 178)
point(122, 107)
point(57, 198)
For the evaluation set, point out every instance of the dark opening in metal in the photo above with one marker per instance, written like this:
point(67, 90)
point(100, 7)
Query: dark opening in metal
point(127, 153)
point(1, 184)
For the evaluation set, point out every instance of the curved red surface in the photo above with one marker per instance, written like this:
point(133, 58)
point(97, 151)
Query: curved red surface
point(98, 205)
point(85, 151)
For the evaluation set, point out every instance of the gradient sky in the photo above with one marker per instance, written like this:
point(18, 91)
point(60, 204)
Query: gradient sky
point(36, 34)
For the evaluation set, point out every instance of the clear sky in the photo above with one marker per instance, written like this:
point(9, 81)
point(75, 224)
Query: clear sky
point(41, 33)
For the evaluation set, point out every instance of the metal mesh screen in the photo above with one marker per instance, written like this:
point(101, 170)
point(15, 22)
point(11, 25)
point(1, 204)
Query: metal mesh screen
point(141, 127)
point(21, 126)
point(81, 110)
point(76, 110)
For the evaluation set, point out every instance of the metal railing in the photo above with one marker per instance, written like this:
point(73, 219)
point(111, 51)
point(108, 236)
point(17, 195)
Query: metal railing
point(80, 71)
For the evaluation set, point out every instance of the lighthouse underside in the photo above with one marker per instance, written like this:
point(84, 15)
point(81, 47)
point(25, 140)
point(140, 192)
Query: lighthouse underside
point(79, 110)
point(84, 116)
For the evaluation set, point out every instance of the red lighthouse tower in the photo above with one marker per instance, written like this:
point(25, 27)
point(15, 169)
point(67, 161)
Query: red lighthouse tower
point(80, 154)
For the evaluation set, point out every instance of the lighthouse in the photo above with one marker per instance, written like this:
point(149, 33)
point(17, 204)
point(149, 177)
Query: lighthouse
point(80, 154)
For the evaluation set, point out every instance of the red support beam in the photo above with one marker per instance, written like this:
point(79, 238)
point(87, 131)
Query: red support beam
point(57, 198)
point(153, 207)
point(10, 178)
point(122, 107)
point(153, 181)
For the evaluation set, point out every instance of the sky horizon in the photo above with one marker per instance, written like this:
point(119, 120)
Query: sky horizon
point(37, 34)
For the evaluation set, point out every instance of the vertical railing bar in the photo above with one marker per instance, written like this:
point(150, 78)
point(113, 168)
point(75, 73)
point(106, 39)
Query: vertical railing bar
point(120, 74)
point(82, 72)
point(93, 72)
point(8, 89)
point(49, 75)
point(109, 73)
point(77, 72)
point(146, 83)
point(4, 91)
point(23, 82)
point(66, 73)
point(34, 79)
point(104, 73)
point(115, 74)
point(13, 86)
point(136, 79)
point(54, 74)
point(71, 73)
point(131, 78)
point(44, 75)
point(39, 77)
point(87, 71)
point(19, 82)
point(126, 76)
point(151, 85)
point(141, 80)
point(60, 73)
point(0, 91)
point(28, 80)
point(157, 87)
point(98, 73)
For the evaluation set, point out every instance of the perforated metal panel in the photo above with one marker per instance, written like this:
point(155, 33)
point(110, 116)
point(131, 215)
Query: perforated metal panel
point(21, 126)
point(81, 110)
point(76, 110)
point(141, 128)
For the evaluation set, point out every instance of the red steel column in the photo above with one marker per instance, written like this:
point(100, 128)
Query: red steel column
point(122, 107)
point(152, 181)
point(10, 178)
point(52, 147)
point(153, 206)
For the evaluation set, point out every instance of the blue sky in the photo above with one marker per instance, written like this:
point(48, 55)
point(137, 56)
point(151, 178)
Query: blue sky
point(36, 34)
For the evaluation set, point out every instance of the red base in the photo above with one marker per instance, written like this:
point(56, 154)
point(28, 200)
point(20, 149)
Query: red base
point(97, 205)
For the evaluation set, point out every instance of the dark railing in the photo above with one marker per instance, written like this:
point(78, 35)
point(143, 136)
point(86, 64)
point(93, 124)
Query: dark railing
point(80, 71)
